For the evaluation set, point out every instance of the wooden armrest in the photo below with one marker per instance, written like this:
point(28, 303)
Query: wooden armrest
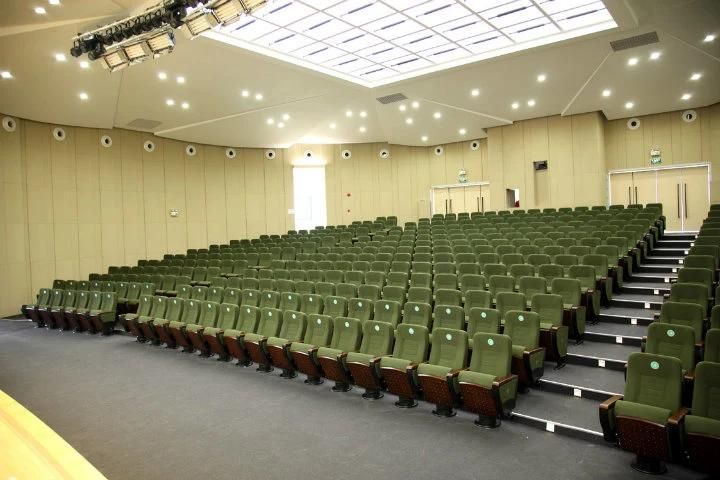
point(689, 377)
point(411, 368)
point(500, 381)
point(678, 417)
point(453, 373)
point(376, 360)
point(609, 404)
point(533, 351)
point(313, 351)
point(341, 356)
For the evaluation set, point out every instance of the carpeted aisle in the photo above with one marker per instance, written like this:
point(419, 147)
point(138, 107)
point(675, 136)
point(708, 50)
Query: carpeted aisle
point(141, 412)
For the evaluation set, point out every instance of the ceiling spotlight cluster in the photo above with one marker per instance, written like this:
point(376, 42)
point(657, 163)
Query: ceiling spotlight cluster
point(280, 123)
point(151, 33)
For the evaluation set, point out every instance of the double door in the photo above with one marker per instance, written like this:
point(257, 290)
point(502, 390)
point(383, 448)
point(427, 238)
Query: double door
point(682, 191)
point(460, 199)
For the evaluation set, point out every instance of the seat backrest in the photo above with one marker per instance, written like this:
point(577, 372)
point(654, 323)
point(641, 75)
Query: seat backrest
point(483, 320)
point(689, 292)
point(159, 307)
point(250, 297)
point(248, 318)
point(549, 307)
point(174, 309)
point(209, 314)
point(387, 311)
point(568, 288)
point(492, 354)
point(411, 342)
point(311, 303)
point(335, 306)
point(674, 341)
point(449, 316)
point(360, 309)
point(707, 384)
point(215, 294)
point(449, 348)
point(683, 313)
point(347, 334)
point(319, 330)
point(506, 301)
point(712, 345)
point(232, 295)
point(191, 312)
point(270, 322)
point(654, 380)
point(93, 304)
point(199, 293)
point(145, 304)
point(703, 276)
point(523, 328)
point(417, 313)
point(293, 326)
point(377, 338)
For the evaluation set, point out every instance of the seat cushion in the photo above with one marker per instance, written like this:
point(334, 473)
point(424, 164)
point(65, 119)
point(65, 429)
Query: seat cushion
point(252, 337)
point(211, 331)
point(328, 352)
point(434, 370)
point(232, 333)
point(392, 362)
point(482, 379)
point(638, 410)
point(301, 347)
point(144, 319)
point(160, 321)
point(277, 342)
point(194, 327)
point(702, 425)
point(517, 351)
point(356, 357)
point(177, 325)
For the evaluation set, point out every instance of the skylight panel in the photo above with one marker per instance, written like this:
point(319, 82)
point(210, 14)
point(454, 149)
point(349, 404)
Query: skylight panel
point(375, 74)
point(284, 12)
point(513, 14)
point(553, 6)
point(408, 63)
point(360, 12)
point(349, 63)
point(486, 42)
point(483, 5)
point(541, 27)
point(444, 53)
point(353, 40)
point(421, 40)
point(284, 40)
point(251, 29)
point(401, 5)
point(321, 4)
point(436, 12)
point(318, 52)
point(393, 26)
point(319, 26)
point(463, 28)
point(583, 16)
point(382, 53)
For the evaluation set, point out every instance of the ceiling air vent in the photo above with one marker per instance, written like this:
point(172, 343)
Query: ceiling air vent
point(636, 41)
point(395, 97)
point(143, 124)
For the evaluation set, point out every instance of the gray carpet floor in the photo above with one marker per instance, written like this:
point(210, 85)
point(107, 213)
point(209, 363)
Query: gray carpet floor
point(141, 412)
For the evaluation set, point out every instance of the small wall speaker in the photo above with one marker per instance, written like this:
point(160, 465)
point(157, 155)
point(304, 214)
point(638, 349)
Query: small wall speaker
point(384, 153)
point(475, 144)
point(689, 116)
point(190, 150)
point(346, 154)
point(58, 134)
point(230, 153)
point(270, 154)
point(106, 141)
point(149, 146)
point(9, 124)
point(633, 124)
point(439, 150)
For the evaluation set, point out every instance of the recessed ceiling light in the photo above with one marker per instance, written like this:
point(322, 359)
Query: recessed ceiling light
point(362, 129)
point(363, 114)
point(54, 2)
point(349, 113)
point(402, 107)
point(686, 96)
point(696, 76)
point(632, 61)
point(84, 64)
point(258, 96)
point(409, 121)
point(424, 138)
point(437, 115)
point(541, 78)
point(83, 96)
point(281, 125)
point(655, 55)
point(332, 126)
point(40, 10)
point(270, 121)
point(286, 117)
point(6, 75)
point(185, 105)
point(415, 104)
point(515, 105)
point(607, 92)
point(60, 57)
point(245, 93)
point(162, 75)
point(629, 105)
point(462, 131)
point(475, 92)
point(180, 79)
point(531, 103)
point(169, 102)
point(708, 38)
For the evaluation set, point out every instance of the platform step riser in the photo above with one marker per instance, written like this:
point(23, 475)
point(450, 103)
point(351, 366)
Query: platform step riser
point(633, 304)
point(581, 434)
point(651, 279)
point(625, 320)
point(661, 289)
point(572, 390)
point(656, 260)
point(590, 361)
point(616, 339)
point(658, 269)
point(669, 252)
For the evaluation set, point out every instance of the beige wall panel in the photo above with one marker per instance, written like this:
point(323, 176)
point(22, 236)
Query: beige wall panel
point(14, 204)
point(18, 291)
point(197, 235)
point(90, 265)
point(217, 232)
point(173, 157)
point(64, 205)
point(88, 206)
point(66, 241)
point(560, 161)
point(130, 144)
point(62, 158)
point(235, 197)
point(691, 142)
point(110, 165)
point(156, 243)
point(111, 207)
point(41, 242)
point(12, 168)
point(113, 248)
point(177, 236)
point(16, 244)
point(67, 269)
point(90, 240)
point(150, 206)
point(37, 154)
point(42, 274)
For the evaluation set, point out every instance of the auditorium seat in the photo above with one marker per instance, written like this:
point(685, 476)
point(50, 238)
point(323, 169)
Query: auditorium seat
point(277, 347)
point(702, 425)
point(253, 343)
point(411, 346)
point(528, 361)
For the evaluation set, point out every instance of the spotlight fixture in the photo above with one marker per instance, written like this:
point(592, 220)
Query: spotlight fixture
point(437, 115)
point(169, 102)
point(709, 38)
point(655, 55)
point(686, 96)
point(362, 129)
point(606, 92)
point(258, 96)
point(424, 138)
point(40, 10)
point(409, 121)
point(185, 105)
point(60, 57)
point(6, 75)
point(363, 114)
point(244, 93)
point(162, 75)
point(629, 105)
point(531, 103)
point(286, 117)
point(402, 107)
point(54, 2)
point(116, 60)
point(180, 79)
point(515, 105)
point(632, 61)
point(541, 78)
point(83, 96)
point(349, 113)
point(84, 64)
point(415, 104)
point(475, 92)
point(462, 131)
point(332, 126)
point(696, 76)
point(200, 22)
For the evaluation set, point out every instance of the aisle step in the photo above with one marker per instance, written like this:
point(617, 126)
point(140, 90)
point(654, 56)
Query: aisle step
point(600, 354)
point(584, 381)
point(658, 268)
point(632, 300)
point(651, 277)
point(669, 252)
point(630, 316)
point(646, 288)
point(663, 260)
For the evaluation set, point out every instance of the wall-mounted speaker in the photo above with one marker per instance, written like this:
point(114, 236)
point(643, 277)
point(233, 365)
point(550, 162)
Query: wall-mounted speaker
point(475, 144)
point(384, 153)
point(106, 141)
point(9, 124)
point(689, 116)
point(438, 150)
point(230, 153)
point(190, 150)
point(58, 134)
point(149, 146)
point(270, 154)
point(633, 123)
point(346, 154)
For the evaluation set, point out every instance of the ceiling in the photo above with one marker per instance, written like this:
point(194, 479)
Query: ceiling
point(239, 97)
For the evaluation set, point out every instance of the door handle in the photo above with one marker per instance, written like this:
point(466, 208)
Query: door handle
point(478, 203)
point(451, 211)
point(629, 196)
point(636, 200)
point(678, 200)
point(482, 202)
point(685, 199)
point(446, 211)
